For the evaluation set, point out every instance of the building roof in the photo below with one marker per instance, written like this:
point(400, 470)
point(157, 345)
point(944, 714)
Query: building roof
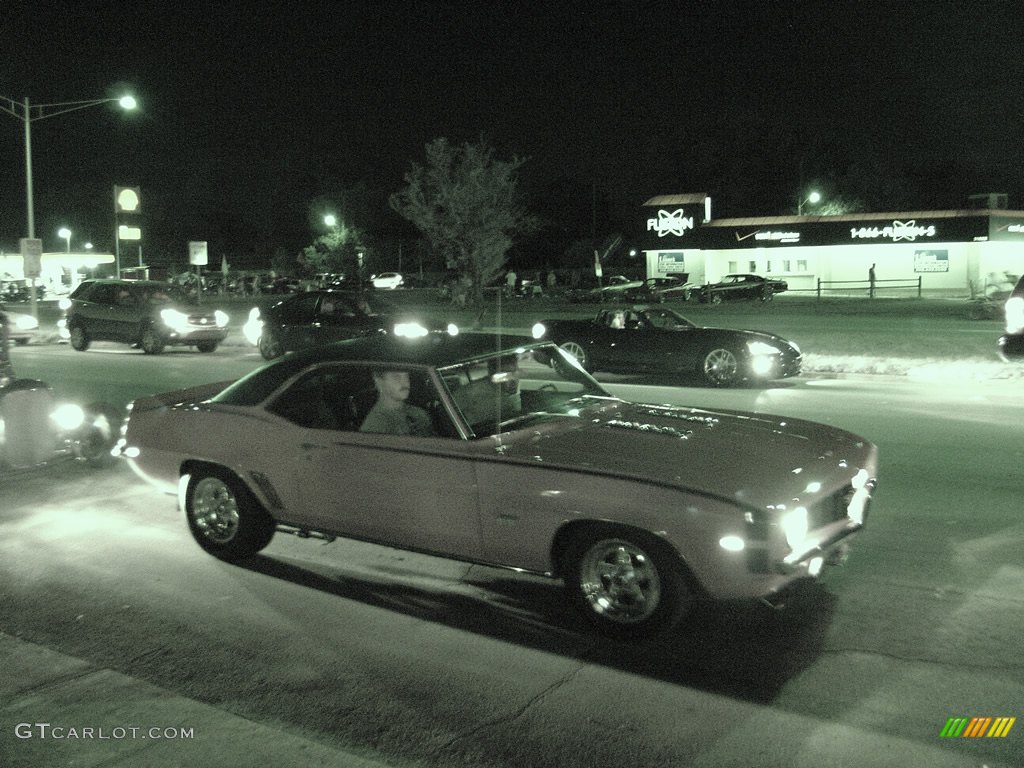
point(693, 197)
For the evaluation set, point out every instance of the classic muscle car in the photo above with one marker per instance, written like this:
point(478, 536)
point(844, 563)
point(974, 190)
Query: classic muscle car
point(527, 463)
point(733, 287)
point(658, 340)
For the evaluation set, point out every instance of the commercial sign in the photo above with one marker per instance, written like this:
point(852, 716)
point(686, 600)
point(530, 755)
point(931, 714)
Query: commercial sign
point(670, 223)
point(931, 261)
point(32, 254)
point(898, 230)
point(197, 254)
point(127, 199)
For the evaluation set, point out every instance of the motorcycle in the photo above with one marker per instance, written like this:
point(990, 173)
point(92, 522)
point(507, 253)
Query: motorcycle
point(37, 430)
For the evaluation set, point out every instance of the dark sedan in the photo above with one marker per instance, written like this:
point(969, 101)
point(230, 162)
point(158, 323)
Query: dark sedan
point(741, 286)
point(315, 318)
point(659, 340)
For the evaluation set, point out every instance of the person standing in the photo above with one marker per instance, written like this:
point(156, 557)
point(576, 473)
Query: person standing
point(510, 282)
point(871, 282)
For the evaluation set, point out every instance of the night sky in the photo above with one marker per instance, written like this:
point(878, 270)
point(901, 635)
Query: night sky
point(253, 114)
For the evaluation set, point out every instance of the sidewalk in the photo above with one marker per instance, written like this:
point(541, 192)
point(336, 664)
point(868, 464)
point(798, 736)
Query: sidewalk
point(58, 710)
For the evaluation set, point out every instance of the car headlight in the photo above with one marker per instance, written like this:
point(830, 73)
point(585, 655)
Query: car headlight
point(761, 348)
point(26, 322)
point(1015, 315)
point(410, 330)
point(174, 319)
point(453, 329)
point(253, 328)
point(794, 525)
point(64, 304)
point(538, 330)
point(221, 318)
point(68, 417)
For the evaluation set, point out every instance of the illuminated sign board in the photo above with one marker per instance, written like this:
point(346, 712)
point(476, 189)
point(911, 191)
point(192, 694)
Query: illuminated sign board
point(931, 261)
point(897, 231)
point(670, 223)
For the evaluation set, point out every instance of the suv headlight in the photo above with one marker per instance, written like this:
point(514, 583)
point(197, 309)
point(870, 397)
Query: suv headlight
point(175, 320)
point(1015, 315)
point(794, 525)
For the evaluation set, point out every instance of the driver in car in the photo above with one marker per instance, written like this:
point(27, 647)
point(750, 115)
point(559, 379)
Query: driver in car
point(391, 414)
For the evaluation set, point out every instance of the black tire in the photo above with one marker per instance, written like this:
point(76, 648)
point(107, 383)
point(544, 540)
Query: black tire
point(577, 350)
point(78, 337)
point(101, 431)
point(223, 517)
point(270, 346)
point(720, 367)
point(152, 343)
point(767, 293)
point(715, 298)
point(628, 583)
point(207, 346)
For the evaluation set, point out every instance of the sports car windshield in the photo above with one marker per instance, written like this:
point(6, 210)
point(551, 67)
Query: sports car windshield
point(515, 389)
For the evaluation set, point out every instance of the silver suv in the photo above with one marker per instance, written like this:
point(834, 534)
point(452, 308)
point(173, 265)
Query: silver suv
point(143, 313)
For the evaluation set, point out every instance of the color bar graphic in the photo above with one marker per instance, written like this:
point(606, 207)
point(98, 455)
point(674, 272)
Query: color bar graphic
point(977, 727)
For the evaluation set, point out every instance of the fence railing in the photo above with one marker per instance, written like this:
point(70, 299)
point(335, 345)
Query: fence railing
point(856, 286)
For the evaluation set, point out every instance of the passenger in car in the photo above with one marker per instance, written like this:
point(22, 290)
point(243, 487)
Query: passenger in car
point(391, 414)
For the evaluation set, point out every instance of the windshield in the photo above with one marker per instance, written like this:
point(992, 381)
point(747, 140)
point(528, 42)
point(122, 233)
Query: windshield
point(510, 390)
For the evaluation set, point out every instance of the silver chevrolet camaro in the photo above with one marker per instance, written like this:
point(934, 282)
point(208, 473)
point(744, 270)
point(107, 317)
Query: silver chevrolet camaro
point(505, 452)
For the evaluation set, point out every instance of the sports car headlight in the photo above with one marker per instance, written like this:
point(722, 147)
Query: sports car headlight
point(761, 348)
point(794, 525)
point(538, 330)
point(173, 319)
point(253, 328)
point(26, 322)
point(411, 330)
point(1015, 315)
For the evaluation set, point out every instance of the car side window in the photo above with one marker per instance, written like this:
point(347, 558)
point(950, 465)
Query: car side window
point(103, 294)
point(324, 398)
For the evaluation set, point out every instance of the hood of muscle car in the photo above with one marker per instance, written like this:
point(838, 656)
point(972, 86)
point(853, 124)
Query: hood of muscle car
point(748, 458)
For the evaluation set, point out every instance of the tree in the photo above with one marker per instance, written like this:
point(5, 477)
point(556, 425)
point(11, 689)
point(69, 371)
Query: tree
point(334, 251)
point(467, 204)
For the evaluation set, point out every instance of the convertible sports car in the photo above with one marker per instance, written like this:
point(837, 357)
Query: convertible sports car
point(320, 317)
point(524, 462)
point(750, 287)
point(659, 340)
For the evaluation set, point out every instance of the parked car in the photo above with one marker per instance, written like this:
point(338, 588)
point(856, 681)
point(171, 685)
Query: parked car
point(144, 313)
point(387, 280)
point(315, 318)
point(1011, 343)
point(613, 288)
point(656, 290)
point(741, 286)
point(21, 328)
point(655, 339)
point(639, 509)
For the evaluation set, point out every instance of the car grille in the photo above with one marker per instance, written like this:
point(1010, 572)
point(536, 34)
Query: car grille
point(202, 321)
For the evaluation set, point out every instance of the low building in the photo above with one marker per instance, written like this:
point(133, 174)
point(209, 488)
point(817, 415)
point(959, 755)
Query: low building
point(939, 253)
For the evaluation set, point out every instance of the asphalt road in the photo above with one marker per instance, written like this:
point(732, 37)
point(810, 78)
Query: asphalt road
point(350, 654)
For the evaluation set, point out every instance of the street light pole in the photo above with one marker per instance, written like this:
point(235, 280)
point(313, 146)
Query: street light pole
point(814, 197)
point(23, 111)
point(66, 234)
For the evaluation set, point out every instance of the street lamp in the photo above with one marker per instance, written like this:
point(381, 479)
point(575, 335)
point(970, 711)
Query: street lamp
point(29, 113)
point(812, 198)
point(66, 234)
point(330, 220)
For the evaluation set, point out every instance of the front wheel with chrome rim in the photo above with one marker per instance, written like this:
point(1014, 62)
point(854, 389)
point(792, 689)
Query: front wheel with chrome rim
point(627, 582)
point(576, 349)
point(720, 367)
point(223, 516)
